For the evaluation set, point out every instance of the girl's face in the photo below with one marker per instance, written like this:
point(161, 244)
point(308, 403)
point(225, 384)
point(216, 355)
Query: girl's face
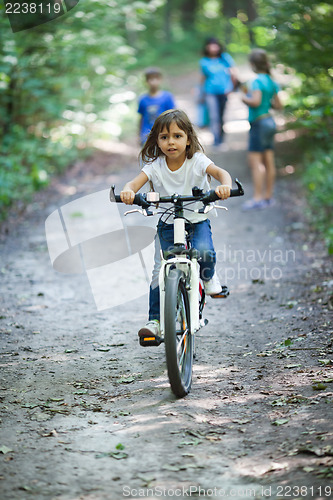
point(173, 143)
point(213, 49)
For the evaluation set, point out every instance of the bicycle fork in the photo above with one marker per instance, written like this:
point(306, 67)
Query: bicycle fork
point(190, 269)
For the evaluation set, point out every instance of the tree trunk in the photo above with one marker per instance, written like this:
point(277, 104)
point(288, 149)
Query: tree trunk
point(188, 9)
point(167, 20)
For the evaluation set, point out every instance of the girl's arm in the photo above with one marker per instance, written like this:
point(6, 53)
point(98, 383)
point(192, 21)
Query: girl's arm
point(221, 175)
point(132, 187)
point(254, 101)
point(276, 102)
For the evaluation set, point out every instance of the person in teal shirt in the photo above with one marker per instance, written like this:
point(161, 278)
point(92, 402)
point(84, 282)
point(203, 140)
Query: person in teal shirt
point(261, 98)
point(218, 75)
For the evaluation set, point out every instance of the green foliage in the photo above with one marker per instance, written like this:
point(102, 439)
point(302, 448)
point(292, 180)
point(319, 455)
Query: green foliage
point(301, 38)
point(27, 163)
point(318, 179)
point(56, 80)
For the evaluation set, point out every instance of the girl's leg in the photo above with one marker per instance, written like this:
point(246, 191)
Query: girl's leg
point(267, 132)
point(214, 117)
point(201, 239)
point(269, 162)
point(163, 240)
point(154, 293)
point(258, 170)
point(222, 101)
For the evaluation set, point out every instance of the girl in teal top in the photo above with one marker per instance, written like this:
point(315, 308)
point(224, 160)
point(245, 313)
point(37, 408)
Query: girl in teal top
point(262, 96)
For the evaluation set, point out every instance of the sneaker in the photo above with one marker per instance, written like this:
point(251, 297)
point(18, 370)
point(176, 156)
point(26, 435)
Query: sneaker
point(254, 205)
point(150, 334)
point(212, 286)
point(269, 202)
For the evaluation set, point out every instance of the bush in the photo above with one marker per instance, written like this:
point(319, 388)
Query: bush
point(26, 164)
point(318, 179)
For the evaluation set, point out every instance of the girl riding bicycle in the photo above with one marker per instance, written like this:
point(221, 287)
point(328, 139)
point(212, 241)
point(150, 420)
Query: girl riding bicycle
point(174, 162)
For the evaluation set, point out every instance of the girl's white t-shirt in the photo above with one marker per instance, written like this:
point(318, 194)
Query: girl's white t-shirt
point(192, 173)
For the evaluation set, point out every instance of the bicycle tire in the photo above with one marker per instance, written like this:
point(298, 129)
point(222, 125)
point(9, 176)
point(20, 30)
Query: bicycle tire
point(178, 338)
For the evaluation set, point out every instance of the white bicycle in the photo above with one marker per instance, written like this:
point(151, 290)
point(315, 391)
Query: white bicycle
point(182, 296)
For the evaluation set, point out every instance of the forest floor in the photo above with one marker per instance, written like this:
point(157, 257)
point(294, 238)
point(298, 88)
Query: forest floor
point(86, 413)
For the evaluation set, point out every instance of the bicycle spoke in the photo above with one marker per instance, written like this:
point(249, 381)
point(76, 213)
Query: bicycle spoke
point(181, 340)
point(182, 344)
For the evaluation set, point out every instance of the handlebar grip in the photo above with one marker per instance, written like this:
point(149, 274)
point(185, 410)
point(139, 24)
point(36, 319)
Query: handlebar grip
point(212, 196)
point(138, 198)
point(238, 191)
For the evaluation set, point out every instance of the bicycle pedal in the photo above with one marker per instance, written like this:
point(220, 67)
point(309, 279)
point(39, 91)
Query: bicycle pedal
point(223, 293)
point(150, 341)
point(203, 322)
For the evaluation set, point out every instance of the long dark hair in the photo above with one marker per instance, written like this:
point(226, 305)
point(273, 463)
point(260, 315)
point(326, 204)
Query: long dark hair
point(259, 59)
point(150, 151)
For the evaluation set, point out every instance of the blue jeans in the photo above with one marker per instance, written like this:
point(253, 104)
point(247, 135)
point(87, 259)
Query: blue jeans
point(200, 235)
point(261, 135)
point(216, 105)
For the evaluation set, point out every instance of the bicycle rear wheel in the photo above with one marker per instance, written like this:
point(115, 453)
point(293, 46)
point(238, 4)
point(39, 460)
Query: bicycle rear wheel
point(178, 338)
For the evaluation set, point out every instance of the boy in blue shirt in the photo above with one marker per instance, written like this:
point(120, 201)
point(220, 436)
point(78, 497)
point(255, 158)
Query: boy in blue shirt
point(152, 104)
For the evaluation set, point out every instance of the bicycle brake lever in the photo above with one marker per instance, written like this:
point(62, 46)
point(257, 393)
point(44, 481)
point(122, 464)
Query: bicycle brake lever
point(142, 211)
point(135, 210)
point(208, 208)
point(220, 207)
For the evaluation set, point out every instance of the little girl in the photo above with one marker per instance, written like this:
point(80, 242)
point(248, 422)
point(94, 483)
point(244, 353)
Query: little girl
point(262, 97)
point(174, 162)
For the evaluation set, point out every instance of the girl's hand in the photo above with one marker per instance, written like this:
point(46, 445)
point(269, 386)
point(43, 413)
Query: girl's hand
point(223, 191)
point(244, 88)
point(127, 196)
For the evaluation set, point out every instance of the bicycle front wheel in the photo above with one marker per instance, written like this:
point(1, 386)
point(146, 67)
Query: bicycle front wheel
point(178, 338)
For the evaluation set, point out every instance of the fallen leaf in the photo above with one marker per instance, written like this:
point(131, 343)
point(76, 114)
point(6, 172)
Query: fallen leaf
point(126, 380)
point(241, 421)
point(146, 480)
point(40, 417)
point(319, 386)
point(325, 361)
point(280, 421)
point(276, 466)
point(118, 455)
point(4, 449)
point(52, 433)
point(174, 468)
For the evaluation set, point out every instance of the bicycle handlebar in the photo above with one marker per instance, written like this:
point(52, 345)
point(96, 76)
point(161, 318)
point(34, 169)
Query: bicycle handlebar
point(205, 198)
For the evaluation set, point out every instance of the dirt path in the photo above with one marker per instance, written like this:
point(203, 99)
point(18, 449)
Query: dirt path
point(88, 414)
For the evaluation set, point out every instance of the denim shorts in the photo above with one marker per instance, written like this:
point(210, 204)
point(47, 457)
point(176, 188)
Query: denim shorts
point(262, 133)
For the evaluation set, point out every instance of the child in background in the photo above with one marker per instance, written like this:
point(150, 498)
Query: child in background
point(174, 162)
point(218, 77)
point(262, 96)
point(152, 104)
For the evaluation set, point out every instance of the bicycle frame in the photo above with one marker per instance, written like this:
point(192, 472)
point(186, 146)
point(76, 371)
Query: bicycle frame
point(191, 269)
